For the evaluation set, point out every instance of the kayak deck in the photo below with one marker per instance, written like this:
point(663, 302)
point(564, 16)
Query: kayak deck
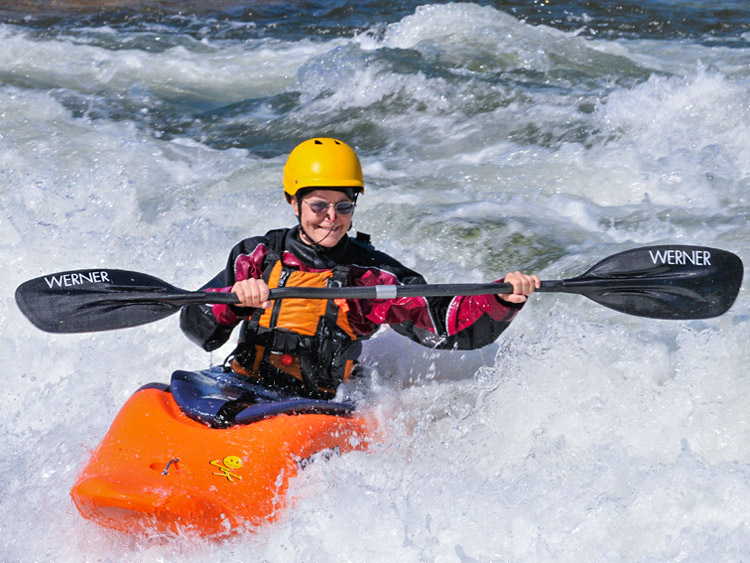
point(160, 469)
point(222, 399)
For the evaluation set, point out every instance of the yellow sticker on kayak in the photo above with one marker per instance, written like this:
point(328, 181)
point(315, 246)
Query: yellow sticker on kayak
point(226, 467)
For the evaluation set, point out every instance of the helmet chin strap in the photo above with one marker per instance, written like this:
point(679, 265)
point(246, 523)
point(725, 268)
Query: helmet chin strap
point(315, 244)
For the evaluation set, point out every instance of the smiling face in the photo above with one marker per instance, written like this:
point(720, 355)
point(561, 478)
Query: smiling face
point(328, 227)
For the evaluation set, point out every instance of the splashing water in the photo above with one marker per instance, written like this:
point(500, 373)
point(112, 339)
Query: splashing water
point(531, 137)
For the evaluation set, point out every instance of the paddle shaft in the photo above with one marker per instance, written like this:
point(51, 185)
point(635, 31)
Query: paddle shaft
point(183, 298)
point(370, 292)
point(572, 286)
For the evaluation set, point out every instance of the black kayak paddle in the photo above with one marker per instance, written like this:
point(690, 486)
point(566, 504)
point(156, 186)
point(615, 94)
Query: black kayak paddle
point(660, 282)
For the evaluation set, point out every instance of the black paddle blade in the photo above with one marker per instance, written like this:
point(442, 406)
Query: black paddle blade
point(94, 300)
point(664, 282)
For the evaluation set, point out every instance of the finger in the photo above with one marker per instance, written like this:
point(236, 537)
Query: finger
point(261, 293)
point(517, 280)
point(525, 284)
point(256, 297)
point(244, 292)
point(239, 291)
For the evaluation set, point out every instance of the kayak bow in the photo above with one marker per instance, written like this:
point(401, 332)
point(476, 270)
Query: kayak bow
point(209, 455)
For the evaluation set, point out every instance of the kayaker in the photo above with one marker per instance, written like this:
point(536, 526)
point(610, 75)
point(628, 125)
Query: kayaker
point(311, 346)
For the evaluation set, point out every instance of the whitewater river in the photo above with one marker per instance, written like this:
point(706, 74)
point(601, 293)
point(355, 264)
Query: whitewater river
point(541, 136)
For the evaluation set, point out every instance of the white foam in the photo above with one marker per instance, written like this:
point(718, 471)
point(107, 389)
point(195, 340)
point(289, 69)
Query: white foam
point(582, 434)
point(196, 72)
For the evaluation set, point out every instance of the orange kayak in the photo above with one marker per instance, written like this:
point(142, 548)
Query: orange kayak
point(209, 455)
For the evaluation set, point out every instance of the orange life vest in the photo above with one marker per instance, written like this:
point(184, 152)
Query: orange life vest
point(309, 340)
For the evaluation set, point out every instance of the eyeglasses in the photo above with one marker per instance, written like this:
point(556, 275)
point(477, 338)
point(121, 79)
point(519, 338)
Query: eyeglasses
point(320, 207)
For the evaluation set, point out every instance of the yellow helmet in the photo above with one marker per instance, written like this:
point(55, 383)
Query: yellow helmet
point(322, 163)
